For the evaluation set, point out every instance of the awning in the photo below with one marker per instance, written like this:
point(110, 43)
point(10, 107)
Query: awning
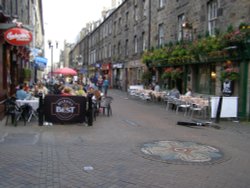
point(40, 63)
point(83, 70)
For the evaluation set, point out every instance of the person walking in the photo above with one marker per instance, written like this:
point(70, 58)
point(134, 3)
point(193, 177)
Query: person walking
point(99, 83)
point(105, 86)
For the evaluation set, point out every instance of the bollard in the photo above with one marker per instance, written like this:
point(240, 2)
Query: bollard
point(40, 110)
point(217, 120)
point(89, 112)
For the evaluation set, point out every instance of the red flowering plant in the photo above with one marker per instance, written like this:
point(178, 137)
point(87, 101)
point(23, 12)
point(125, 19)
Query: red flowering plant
point(173, 73)
point(176, 73)
point(167, 73)
point(230, 73)
point(237, 37)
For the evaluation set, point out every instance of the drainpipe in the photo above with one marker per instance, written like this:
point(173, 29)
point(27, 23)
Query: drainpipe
point(149, 24)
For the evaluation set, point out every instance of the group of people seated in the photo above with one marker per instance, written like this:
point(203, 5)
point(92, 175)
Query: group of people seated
point(23, 91)
point(175, 93)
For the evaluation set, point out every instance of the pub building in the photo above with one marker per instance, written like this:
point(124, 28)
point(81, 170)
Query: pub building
point(14, 55)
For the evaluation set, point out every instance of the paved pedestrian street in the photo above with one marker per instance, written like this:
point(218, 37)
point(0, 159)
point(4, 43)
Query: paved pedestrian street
point(139, 146)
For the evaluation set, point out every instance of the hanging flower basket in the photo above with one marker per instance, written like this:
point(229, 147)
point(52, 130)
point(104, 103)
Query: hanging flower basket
point(167, 73)
point(173, 73)
point(176, 73)
point(230, 74)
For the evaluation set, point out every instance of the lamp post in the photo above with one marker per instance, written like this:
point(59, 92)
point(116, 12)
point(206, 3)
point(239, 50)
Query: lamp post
point(186, 31)
point(51, 66)
point(51, 47)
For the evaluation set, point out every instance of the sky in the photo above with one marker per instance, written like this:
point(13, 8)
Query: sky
point(64, 19)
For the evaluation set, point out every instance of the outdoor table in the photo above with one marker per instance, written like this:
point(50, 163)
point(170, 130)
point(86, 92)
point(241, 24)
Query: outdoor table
point(34, 103)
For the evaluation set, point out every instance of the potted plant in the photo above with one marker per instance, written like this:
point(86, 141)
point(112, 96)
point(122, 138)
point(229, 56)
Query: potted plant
point(176, 73)
point(230, 73)
point(167, 73)
point(26, 74)
point(146, 77)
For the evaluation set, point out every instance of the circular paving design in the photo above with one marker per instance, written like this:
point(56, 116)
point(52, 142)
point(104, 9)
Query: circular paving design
point(181, 152)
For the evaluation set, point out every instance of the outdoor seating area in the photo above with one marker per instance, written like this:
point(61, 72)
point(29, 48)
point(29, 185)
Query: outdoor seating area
point(17, 112)
point(187, 105)
point(146, 94)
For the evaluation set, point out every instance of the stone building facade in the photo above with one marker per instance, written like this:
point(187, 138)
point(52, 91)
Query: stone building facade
point(116, 46)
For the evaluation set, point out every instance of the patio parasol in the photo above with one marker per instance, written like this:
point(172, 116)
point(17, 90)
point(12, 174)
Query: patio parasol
point(65, 71)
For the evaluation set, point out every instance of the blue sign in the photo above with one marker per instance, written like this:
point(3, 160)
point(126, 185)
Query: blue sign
point(40, 63)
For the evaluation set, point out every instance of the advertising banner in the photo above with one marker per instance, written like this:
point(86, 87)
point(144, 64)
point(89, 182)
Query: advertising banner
point(64, 109)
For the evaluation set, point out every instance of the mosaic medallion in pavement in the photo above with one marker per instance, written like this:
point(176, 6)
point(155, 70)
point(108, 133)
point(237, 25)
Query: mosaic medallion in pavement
point(181, 152)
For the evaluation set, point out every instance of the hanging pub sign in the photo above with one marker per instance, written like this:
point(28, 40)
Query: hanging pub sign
point(227, 88)
point(18, 36)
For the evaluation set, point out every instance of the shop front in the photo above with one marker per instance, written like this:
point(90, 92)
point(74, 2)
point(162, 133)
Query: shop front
point(93, 71)
point(135, 70)
point(15, 53)
point(107, 72)
point(118, 69)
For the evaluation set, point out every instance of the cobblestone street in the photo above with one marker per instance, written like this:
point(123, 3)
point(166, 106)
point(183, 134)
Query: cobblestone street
point(109, 154)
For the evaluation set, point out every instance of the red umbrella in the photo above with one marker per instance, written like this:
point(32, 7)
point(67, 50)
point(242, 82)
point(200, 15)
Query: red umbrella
point(65, 71)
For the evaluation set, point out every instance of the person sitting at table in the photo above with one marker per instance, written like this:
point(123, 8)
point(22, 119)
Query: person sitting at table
point(26, 87)
point(189, 92)
point(80, 91)
point(75, 86)
point(21, 94)
point(97, 94)
point(34, 91)
point(175, 93)
point(157, 87)
point(42, 89)
point(66, 92)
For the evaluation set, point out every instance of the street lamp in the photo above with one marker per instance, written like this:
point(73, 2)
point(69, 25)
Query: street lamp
point(51, 47)
point(187, 28)
point(77, 61)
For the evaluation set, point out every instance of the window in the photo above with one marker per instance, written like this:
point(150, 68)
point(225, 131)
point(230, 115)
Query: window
point(114, 29)
point(160, 35)
point(119, 23)
point(212, 16)
point(14, 7)
point(181, 19)
point(114, 51)
point(110, 28)
point(144, 8)
point(135, 44)
point(162, 3)
point(119, 48)
point(109, 50)
point(136, 13)
point(206, 83)
point(92, 56)
point(105, 51)
point(144, 42)
point(126, 47)
point(126, 19)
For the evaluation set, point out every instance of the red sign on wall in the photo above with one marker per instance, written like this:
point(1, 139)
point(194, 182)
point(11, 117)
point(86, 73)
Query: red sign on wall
point(18, 36)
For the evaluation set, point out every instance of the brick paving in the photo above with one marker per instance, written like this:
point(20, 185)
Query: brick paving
point(107, 155)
